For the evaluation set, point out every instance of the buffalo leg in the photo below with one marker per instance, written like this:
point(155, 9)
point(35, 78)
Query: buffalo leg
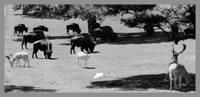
point(87, 49)
point(22, 43)
point(35, 53)
point(26, 45)
point(45, 55)
point(82, 48)
point(72, 49)
point(67, 31)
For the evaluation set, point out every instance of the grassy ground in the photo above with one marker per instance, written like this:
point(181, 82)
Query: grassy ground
point(133, 64)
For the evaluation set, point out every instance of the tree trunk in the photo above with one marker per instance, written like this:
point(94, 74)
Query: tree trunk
point(24, 9)
point(164, 31)
point(149, 29)
point(91, 23)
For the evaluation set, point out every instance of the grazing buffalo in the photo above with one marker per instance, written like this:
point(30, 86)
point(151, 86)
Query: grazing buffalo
point(40, 27)
point(19, 29)
point(32, 37)
point(42, 45)
point(105, 33)
point(74, 27)
point(83, 41)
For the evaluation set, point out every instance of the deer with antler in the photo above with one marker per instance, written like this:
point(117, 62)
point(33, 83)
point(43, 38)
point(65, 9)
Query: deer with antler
point(177, 71)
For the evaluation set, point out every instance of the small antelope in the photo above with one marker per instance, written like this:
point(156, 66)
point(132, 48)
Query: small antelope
point(177, 71)
point(17, 56)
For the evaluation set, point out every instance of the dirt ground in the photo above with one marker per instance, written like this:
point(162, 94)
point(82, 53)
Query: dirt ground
point(131, 65)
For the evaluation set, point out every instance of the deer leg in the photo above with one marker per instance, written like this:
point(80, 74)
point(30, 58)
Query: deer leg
point(24, 62)
point(171, 80)
point(180, 80)
point(28, 62)
point(166, 76)
point(175, 83)
point(78, 62)
point(170, 84)
point(18, 62)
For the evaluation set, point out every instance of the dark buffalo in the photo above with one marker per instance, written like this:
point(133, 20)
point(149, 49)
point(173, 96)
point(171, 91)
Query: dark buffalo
point(32, 37)
point(190, 32)
point(74, 27)
point(83, 41)
point(42, 45)
point(96, 25)
point(19, 29)
point(105, 33)
point(40, 27)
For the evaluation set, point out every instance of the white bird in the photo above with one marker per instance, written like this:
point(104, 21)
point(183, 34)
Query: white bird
point(98, 75)
point(83, 56)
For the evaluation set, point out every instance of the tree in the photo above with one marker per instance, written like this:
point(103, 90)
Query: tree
point(91, 13)
point(151, 15)
point(181, 14)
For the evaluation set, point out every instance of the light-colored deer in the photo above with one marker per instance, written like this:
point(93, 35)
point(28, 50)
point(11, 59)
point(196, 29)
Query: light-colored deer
point(83, 56)
point(177, 71)
point(16, 57)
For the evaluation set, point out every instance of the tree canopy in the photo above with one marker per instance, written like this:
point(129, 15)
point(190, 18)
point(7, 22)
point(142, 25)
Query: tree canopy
point(141, 13)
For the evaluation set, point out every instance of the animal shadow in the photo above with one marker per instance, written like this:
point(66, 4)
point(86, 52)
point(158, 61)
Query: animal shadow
point(53, 58)
point(11, 88)
point(42, 58)
point(95, 52)
point(141, 83)
point(89, 67)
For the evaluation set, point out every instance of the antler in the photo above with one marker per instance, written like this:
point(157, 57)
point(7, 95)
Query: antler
point(177, 53)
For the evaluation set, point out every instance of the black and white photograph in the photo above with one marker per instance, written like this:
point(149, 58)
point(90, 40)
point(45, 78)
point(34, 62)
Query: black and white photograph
point(99, 48)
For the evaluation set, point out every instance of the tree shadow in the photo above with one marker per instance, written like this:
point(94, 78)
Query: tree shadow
point(141, 82)
point(59, 37)
point(11, 88)
point(142, 38)
point(126, 38)
point(19, 39)
point(34, 16)
point(65, 44)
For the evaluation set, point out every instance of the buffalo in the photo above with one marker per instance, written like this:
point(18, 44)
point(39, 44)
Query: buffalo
point(83, 41)
point(74, 27)
point(32, 37)
point(19, 29)
point(105, 33)
point(96, 25)
point(42, 45)
point(190, 32)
